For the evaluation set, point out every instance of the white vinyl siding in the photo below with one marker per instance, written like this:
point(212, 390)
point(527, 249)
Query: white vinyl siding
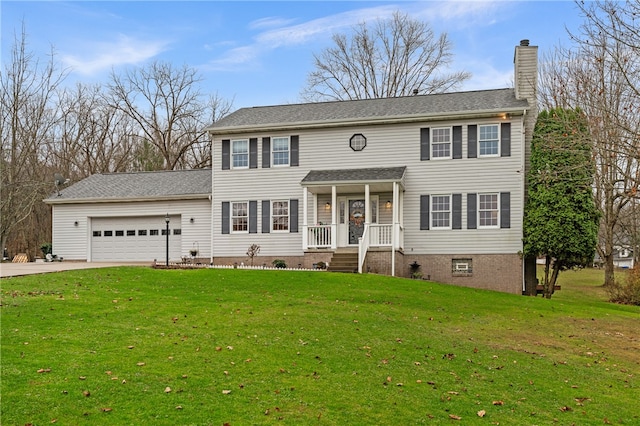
point(76, 242)
point(387, 146)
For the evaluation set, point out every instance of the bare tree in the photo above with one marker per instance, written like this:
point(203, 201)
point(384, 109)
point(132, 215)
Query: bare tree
point(598, 74)
point(165, 102)
point(395, 57)
point(29, 114)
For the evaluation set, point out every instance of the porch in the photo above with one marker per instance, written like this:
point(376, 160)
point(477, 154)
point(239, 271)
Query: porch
point(354, 209)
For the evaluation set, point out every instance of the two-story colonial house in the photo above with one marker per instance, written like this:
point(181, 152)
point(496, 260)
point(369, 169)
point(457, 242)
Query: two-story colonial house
point(433, 184)
point(423, 185)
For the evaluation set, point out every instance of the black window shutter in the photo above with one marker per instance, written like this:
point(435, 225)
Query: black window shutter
point(293, 215)
point(472, 141)
point(295, 148)
point(457, 142)
point(424, 212)
point(266, 216)
point(472, 211)
point(266, 153)
point(225, 217)
point(253, 153)
point(424, 145)
point(456, 222)
point(505, 140)
point(226, 154)
point(253, 217)
point(505, 210)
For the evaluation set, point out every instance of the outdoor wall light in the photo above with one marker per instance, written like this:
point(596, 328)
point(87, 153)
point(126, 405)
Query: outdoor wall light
point(388, 204)
point(192, 220)
point(327, 206)
point(75, 223)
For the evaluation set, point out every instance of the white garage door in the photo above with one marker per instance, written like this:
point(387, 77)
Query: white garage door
point(133, 239)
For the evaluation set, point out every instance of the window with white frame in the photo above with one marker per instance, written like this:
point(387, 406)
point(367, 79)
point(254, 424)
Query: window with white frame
point(488, 140)
point(240, 217)
point(441, 212)
point(280, 215)
point(488, 210)
point(441, 143)
point(240, 154)
point(280, 151)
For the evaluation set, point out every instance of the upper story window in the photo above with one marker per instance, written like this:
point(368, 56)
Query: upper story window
point(280, 151)
point(441, 143)
point(488, 210)
point(240, 154)
point(441, 212)
point(358, 142)
point(240, 217)
point(488, 140)
point(280, 215)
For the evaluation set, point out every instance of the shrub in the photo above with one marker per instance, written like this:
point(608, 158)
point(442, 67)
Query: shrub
point(279, 263)
point(628, 293)
point(321, 265)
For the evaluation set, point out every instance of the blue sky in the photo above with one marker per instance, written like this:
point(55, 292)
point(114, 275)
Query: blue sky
point(260, 52)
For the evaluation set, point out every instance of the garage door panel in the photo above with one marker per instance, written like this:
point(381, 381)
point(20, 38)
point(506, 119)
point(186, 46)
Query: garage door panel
point(134, 238)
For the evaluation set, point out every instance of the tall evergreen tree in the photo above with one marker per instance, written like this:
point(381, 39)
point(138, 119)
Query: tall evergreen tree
point(560, 220)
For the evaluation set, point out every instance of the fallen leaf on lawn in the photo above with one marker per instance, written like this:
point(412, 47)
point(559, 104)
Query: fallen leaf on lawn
point(106, 409)
point(226, 373)
point(417, 363)
point(179, 407)
point(565, 408)
point(498, 402)
point(454, 417)
point(86, 393)
point(248, 360)
point(140, 364)
point(124, 382)
point(481, 413)
point(389, 378)
point(44, 370)
point(400, 384)
point(452, 393)
point(226, 392)
point(108, 373)
point(230, 348)
point(167, 389)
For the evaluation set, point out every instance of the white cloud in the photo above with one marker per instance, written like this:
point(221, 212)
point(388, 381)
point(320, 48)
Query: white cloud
point(123, 50)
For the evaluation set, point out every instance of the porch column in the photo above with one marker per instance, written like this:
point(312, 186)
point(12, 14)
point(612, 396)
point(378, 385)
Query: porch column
point(305, 219)
point(367, 206)
point(395, 231)
point(334, 218)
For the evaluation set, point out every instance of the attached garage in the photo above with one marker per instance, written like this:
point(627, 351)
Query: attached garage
point(135, 238)
point(122, 217)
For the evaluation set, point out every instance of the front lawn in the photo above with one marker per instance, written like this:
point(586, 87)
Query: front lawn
point(211, 347)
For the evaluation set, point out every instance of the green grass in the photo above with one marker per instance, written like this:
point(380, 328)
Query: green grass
point(276, 347)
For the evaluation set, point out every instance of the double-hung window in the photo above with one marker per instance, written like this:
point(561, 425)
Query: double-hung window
point(488, 140)
point(240, 154)
point(488, 210)
point(280, 215)
point(280, 151)
point(240, 217)
point(441, 143)
point(441, 212)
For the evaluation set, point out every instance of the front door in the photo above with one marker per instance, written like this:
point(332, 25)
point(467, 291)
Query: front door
point(356, 220)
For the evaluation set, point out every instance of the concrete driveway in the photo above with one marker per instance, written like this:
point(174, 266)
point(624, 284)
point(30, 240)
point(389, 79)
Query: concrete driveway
point(18, 269)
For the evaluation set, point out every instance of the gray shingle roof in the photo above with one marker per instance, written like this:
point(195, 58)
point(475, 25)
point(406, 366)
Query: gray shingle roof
point(387, 174)
point(372, 109)
point(139, 185)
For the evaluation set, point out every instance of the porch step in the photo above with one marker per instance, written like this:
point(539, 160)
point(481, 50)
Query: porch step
point(344, 261)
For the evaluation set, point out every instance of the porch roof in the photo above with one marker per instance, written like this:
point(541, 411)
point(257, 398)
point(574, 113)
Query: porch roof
point(380, 178)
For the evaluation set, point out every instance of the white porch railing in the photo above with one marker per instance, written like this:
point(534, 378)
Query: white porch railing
point(374, 235)
point(319, 236)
